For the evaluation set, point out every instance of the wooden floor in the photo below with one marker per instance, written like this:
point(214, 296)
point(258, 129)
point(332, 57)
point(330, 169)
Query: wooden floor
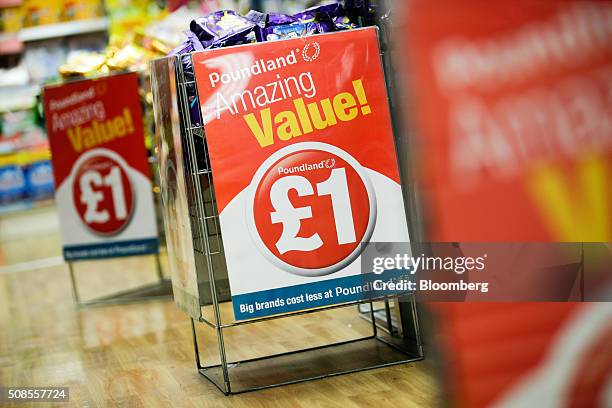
point(141, 355)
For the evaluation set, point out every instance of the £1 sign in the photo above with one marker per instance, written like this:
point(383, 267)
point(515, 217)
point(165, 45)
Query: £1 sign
point(311, 206)
point(305, 179)
point(101, 170)
point(102, 192)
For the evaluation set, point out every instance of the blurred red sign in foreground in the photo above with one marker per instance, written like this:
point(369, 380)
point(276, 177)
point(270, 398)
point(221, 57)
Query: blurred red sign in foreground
point(512, 100)
point(512, 106)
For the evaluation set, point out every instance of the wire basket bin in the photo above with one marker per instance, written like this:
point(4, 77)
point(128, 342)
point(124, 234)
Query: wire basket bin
point(200, 277)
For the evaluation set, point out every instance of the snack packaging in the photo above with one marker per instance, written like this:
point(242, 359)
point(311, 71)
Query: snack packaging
point(329, 11)
point(218, 25)
point(295, 30)
point(344, 23)
point(83, 63)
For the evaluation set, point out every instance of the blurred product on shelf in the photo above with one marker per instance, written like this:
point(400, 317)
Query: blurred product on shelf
point(42, 59)
point(93, 64)
point(169, 31)
point(25, 167)
point(13, 76)
point(12, 179)
point(42, 12)
point(81, 63)
point(130, 16)
point(130, 57)
point(21, 130)
point(132, 45)
point(38, 174)
point(82, 9)
point(11, 19)
point(25, 176)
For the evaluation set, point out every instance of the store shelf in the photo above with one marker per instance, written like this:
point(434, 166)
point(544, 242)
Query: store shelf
point(48, 31)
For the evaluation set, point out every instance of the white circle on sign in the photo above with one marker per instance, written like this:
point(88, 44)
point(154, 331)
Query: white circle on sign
point(118, 213)
point(250, 208)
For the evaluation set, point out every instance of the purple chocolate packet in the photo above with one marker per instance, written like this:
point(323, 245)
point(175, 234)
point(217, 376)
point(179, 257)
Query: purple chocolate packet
point(219, 24)
point(195, 41)
point(258, 18)
point(344, 23)
point(245, 37)
point(296, 30)
point(328, 10)
point(361, 12)
point(185, 48)
point(279, 19)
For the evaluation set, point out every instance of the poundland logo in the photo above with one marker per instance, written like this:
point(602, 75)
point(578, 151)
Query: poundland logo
point(259, 67)
point(309, 53)
point(304, 167)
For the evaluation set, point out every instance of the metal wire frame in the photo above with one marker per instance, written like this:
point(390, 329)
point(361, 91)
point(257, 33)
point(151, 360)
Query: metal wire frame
point(382, 316)
point(208, 243)
point(297, 313)
point(226, 389)
point(160, 290)
point(195, 201)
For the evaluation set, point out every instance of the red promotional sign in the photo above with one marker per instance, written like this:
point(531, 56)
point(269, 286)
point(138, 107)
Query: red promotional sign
point(514, 110)
point(100, 166)
point(304, 164)
point(526, 354)
point(513, 115)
